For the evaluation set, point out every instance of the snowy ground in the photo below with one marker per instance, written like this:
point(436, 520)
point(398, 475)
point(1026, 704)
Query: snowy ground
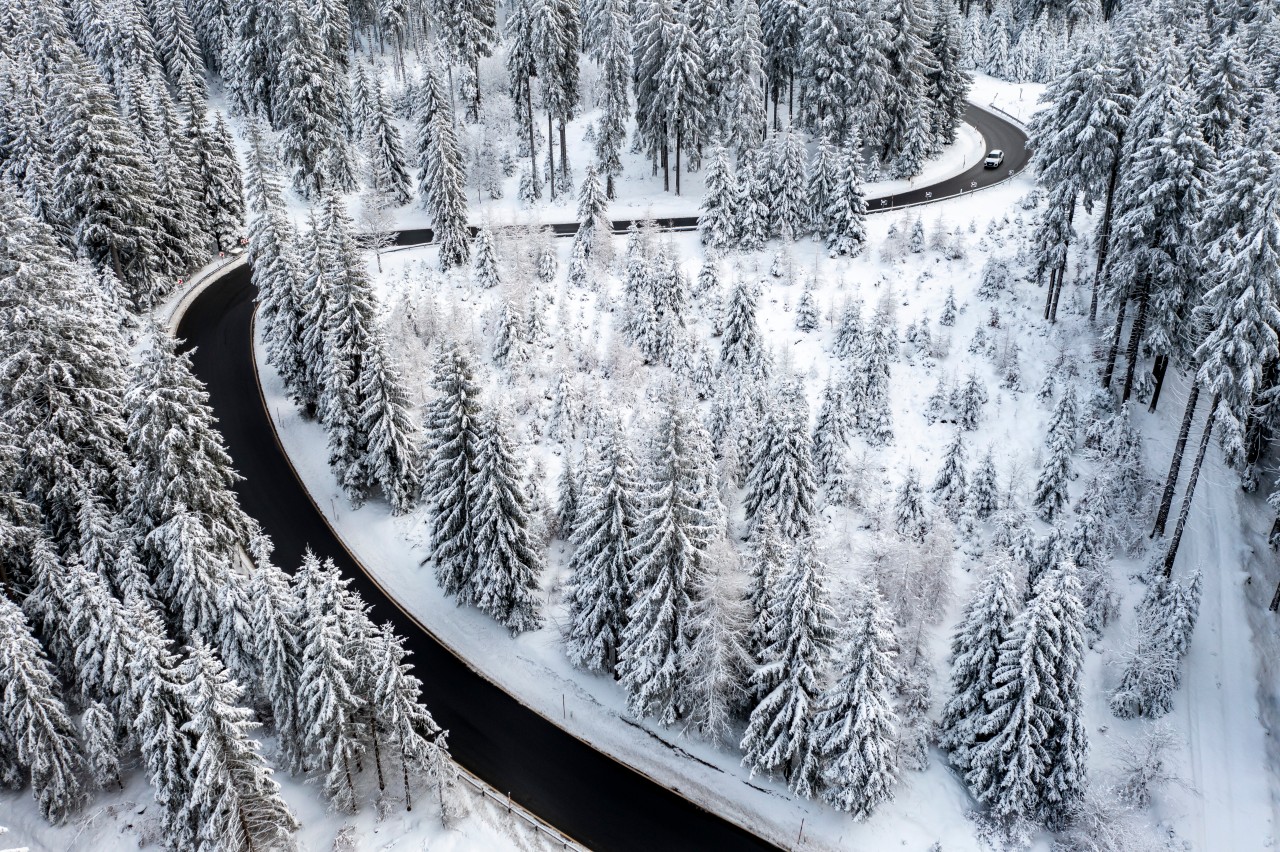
point(1227, 799)
point(1229, 700)
point(119, 820)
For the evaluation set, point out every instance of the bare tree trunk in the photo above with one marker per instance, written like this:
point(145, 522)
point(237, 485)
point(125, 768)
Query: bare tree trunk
point(1104, 238)
point(551, 158)
point(1159, 369)
point(1110, 369)
point(1135, 340)
point(1048, 296)
point(564, 154)
point(678, 140)
point(1066, 258)
point(533, 147)
point(404, 767)
point(666, 167)
point(1191, 487)
point(1175, 464)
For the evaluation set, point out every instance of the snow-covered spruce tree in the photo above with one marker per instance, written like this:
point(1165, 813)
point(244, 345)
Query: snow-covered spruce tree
point(276, 270)
point(676, 527)
point(398, 714)
point(388, 169)
point(742, 351)
point(1166, 619)
point(392, 449)
point(807, 318)
point(751, 225)
point(719, 664)
point(975, 652)
point(780, 479)
point(279, 655)
point(906, 126)
point(595, 231)
point(969, 401)
point(875, 418)
point(182, 478)
point(328, 704)
point(101, 736)
point(788, 207)
point(824, 177)
point(484, 269)
point(165, 748)
point(911, 518)
point(469, 32)
point(1051, 487)
point(845, 213)
point(765, 558)
point(508, 563)
point(948, 80)
point(36, 721)
point(56, 325)
point(855, 727)
point(614, 54)
point(224, 202)
point(601, 564)
point(104, 187)
point(983, 496)
point(442, 183)
point(831, 433)
point(950, 488)
point(849, 333)
point(780, 736)
point(717, 225)
point(826, 60)
point(681, 90)
point(569, 486)
point(310, 107)
point(1031, 761)
point(451, 444)
point(350, 333)
point(234, 802)
point(100, 634)
point(948, 316)
point(313, 296)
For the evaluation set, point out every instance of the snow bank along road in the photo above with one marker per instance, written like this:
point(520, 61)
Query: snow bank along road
point(583, 792)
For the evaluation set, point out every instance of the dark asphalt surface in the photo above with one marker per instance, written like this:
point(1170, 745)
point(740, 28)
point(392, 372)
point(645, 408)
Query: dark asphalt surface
point(589, 796)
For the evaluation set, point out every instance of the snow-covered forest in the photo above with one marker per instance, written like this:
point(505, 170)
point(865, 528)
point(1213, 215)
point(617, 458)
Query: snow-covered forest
point(900, 523)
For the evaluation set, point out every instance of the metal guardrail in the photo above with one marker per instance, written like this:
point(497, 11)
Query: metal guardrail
point(1021, 124)
point(531, 819)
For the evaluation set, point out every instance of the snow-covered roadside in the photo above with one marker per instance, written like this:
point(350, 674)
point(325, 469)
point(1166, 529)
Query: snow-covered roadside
point(1020, 100)
point(119, 820)
point(1227, 706)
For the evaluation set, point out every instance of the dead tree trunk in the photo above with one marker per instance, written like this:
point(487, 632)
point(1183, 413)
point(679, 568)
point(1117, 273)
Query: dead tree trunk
point(1158, 370)
point(1135, 341)
point(1110, 369)
point(1104, 236)
point(1175, 464)
point(551, 158)
point(1191, 488)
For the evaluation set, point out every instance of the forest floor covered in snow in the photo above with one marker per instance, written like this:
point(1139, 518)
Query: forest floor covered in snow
point(123, 820)
point(1223, 798)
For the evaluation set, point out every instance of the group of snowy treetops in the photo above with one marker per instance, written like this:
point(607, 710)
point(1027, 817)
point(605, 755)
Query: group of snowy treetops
point(126, 83)
point(143, 626)
point(142, 620)
point(1174, 141)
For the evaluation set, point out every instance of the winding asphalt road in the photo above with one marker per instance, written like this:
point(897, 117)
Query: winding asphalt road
point(598, 801)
